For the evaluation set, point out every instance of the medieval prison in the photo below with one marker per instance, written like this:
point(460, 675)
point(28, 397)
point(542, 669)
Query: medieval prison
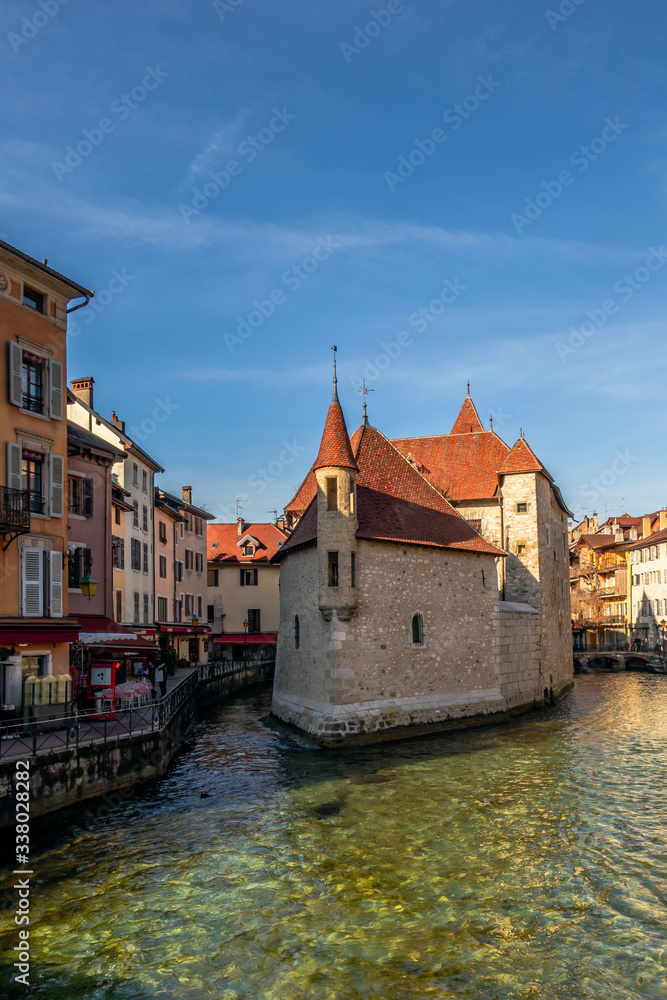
point(424, 585)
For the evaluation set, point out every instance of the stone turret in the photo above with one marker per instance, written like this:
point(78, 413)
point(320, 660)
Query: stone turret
point(336, 473)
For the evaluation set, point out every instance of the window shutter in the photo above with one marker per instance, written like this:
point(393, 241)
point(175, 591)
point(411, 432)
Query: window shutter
point(56, 602)
point(57, 485)
point(122, 554)
point(14, 476)
point(88, 497)
point(15, 374)
point(56, 372)
point(33, 583)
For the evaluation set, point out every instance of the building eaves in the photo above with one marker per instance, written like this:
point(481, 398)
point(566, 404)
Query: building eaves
point(47, 271)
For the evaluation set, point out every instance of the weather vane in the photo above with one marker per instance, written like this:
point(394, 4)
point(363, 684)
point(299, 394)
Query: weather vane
point(364, 390)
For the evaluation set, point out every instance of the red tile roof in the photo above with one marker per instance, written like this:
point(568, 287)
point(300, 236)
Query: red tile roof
point(655, 539)
point(468, 421)
point(335, 446)
point(522, 458)
point(598, 541)
point(304, 494)
point(462, 466)
point(223, 542)
point(395, 503)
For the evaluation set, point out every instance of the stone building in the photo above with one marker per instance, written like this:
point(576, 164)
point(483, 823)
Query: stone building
point(397, 610)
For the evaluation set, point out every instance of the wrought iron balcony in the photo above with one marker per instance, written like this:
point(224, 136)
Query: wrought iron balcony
point(15, 507)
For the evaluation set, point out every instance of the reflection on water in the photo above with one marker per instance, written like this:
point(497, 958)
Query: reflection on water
point(521, 861)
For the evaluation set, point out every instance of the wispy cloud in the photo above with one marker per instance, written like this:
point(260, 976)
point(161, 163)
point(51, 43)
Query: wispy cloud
point(220, 147)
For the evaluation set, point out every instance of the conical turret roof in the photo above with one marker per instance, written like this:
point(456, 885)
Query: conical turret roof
point(335, 448)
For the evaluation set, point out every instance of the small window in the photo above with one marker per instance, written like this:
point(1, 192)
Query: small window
point(145, 569)
point(163, 531)
point(163, 570)
point(353, 569)
point(116, 515)
point(145, 609)
point(248, 577)
point(136, 608)
point(248, 549)
point(33, 299)
point(521, 549)
point(119, 605)
point(162, 612)
point(200, 605)
point(333, 569)
point(145, 518)
point(417, 630)
point(136, 514)
point(210, 612)
point(522, 508)
point(254, 620)
point(332, 493)
point(135, 474)
point(212, 580)
point(34, 383)
point(144, 483)
point(297, 632)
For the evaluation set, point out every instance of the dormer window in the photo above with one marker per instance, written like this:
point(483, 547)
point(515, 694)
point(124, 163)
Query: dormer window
point(248, 549)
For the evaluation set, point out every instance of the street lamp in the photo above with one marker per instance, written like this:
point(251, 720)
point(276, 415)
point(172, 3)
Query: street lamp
point(245, 638)
point(195, 622)
point(88, 585)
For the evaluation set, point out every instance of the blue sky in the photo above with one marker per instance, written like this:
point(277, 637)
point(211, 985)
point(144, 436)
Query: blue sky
point(557, 320)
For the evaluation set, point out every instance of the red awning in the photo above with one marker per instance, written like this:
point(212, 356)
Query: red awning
point(22, 630)
point(254, 639)
point(95, 630)
point(183, 629)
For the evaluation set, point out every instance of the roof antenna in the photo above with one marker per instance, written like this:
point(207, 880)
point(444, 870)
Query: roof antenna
point(274, 512)
point(364, 390)
point(468, 390)
point(238, 507)
point(335, 379)
point(491, 422)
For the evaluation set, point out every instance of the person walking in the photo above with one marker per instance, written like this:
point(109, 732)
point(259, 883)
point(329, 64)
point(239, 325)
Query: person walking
point(161, 678)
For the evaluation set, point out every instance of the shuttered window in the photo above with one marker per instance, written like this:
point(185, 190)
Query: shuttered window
point(33, 583)
point(57, 486)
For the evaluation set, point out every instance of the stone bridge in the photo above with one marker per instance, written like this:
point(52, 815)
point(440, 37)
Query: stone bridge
point(617, 659)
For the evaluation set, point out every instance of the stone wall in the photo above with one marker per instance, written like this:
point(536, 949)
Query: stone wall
point(519, 632)
point(365, 675)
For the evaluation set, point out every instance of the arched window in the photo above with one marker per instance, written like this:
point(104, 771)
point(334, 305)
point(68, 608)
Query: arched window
point(417, 630)
point(297, 632)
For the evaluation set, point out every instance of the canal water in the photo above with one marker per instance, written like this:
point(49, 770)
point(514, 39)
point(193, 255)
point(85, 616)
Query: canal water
point(520, 861)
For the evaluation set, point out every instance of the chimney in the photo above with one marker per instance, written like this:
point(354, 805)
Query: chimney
point(646, 526)
point(186, 494)
point(632, 534)
point(663, 519)
point(83, 389)
point(595, 522)
point(118, 424)
point(239, 526)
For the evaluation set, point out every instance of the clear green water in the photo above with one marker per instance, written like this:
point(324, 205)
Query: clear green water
point(527, 860)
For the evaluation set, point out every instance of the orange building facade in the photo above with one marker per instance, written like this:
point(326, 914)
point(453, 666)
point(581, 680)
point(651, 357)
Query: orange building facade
point(35, 628)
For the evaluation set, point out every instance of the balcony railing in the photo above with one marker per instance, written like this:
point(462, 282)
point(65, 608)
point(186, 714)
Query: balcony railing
point(15, 507)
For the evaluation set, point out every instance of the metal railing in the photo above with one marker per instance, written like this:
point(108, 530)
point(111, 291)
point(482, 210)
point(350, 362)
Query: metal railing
point(74, 729)
point(15, 508)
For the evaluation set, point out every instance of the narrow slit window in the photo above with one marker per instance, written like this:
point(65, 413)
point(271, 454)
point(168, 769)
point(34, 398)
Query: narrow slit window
point(353, 569)
point(333, 569)
point(332, 493)
point(297, 632)
point(417, 630)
